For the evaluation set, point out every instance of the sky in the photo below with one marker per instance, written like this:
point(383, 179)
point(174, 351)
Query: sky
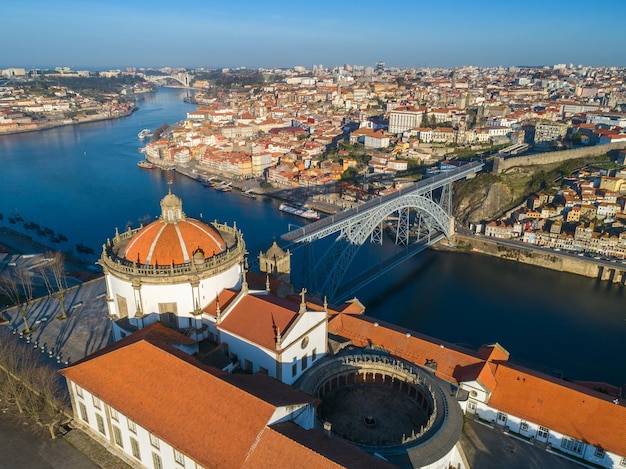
point(97, 34)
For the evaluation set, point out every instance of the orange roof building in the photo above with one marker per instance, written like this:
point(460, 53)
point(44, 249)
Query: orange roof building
point(160, 407)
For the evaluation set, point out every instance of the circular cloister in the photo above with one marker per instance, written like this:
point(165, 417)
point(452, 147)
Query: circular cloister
point(385, 405)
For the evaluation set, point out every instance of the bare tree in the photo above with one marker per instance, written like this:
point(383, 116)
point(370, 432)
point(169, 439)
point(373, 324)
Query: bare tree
point(58, 286)
point(19, 289)
point(33, 387)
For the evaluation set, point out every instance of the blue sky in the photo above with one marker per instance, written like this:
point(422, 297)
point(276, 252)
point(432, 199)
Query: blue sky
point(413, 33)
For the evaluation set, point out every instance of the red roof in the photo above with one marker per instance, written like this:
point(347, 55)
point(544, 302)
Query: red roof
point(259, 317)
point(567, 408)
point(162, 243)
point(210, 416)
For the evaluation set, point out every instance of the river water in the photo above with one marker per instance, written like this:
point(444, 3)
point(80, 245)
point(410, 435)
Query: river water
point(83, 181)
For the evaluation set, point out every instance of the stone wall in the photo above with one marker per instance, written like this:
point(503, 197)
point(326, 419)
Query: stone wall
point(547, 259)
point(501, 165)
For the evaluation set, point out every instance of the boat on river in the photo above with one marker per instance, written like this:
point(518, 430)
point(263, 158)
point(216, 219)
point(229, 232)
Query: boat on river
point(224, 187)
point(249, 194)
point(302, 212)
point(146, 165)
point(84, 249)
point(144, 133)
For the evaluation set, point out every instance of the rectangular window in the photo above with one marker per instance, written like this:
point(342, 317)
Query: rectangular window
point(313, 355)
point(132, 426)
point(247, 365)
point(114, 415)
point(79, 391)
point(83, 412)
point(501, 418)
point(154, 441)
point(122, 306)
point(623, 462)
point(574, 446)
point(471, 406)
point(294, 369)
point(305, 362)
point(523, 426)
point(156, 461)
point(134, 446)
point(262, 370)
point(179, 457)
point(100, 422)
point(117, 436)
point(599, 453)
point(96, 402)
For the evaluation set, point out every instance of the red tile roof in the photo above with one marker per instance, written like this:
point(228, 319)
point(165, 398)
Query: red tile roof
point(212, 417)
point(413, 347)
point(162, 243)
point(287, 445)
point(258, 317)
point(567, 408)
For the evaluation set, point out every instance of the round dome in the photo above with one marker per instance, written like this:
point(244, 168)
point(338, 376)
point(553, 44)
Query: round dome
point(174, 238)
point(165, 243)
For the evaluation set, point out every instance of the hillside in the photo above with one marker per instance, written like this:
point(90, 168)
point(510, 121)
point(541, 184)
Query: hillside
point(488, 195)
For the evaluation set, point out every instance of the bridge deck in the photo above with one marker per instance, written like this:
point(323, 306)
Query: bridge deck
point(423, 185)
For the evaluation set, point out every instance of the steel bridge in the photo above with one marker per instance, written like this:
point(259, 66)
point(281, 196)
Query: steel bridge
point(417, 216)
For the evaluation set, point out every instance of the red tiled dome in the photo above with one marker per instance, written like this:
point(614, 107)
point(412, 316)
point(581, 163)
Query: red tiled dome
point(174, 238)
point(162, 243)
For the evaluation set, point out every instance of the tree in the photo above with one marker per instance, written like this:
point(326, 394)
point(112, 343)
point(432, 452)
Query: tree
point(19, 289)
point(58, 286)
point(31, 386)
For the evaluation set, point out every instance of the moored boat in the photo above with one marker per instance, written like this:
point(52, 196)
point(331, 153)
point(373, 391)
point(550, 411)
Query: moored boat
point(144, 133)
point(146, 165)
point(225, 187)
point(303, 212)
point(249, 194)
point(84, 249)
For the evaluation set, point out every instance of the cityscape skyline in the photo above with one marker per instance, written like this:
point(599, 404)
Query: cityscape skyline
point(282, 35)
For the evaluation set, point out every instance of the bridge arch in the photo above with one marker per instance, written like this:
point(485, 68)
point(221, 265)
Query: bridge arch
point(361, 230)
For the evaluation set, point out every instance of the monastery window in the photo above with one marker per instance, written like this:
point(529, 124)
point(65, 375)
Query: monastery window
point(117, 436)
point(83, 412)
point(114, 415)
point(156, 461)
point(154, 441)
point(132, 426)
point(623, 462)
point(523, 426)
point(122, 307)
point(305, 362)
point(543, 432)
point(294, 369)
point(313, 355)
point(134, 446)
point(263, 370)
point(96, 402)
point(100, 422)
point(574, 446)
point(179, 457)
point(247, 365)
point(79, 390)
point(599, 453)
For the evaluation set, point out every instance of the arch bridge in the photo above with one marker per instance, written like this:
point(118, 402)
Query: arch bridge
point(417, 217)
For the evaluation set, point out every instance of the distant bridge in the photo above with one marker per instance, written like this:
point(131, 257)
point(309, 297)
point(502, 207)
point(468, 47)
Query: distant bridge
point(182, 78)
point(431, 201)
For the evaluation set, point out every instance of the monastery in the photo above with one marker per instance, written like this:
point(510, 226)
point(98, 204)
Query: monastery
point(216, 367)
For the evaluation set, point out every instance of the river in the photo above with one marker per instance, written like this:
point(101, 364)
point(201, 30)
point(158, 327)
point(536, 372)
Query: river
point(83, 181)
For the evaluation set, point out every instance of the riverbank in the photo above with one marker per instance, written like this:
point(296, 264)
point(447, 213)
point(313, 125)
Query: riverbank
point(296, 195)
point(535, 255)
point(75, 121)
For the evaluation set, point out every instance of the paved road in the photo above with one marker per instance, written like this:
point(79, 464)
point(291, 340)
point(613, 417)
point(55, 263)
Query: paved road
point(23, 448)
point(486, 448)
